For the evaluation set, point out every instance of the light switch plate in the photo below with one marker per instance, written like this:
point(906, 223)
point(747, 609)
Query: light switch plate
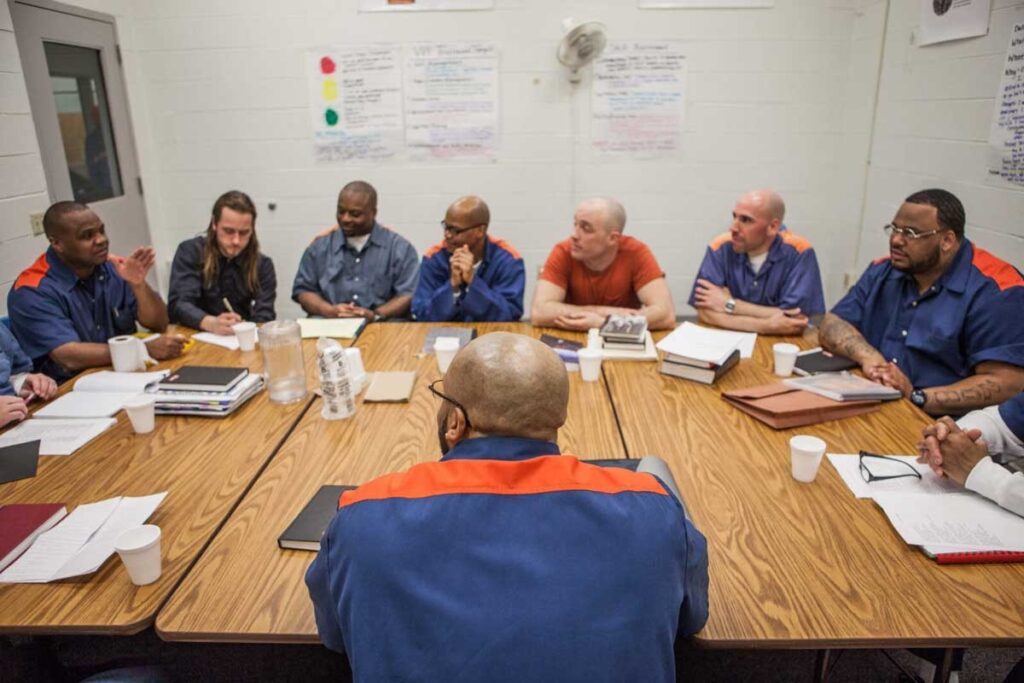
point(37, 224)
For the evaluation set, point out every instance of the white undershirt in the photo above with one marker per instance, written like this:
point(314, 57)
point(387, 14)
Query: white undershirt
point(757, 261)
point(358, 242)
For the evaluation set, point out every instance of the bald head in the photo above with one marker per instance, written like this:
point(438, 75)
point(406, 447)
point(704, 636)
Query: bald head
point(510, 385)
point(612, 212)
point(768, 202)
point(470, 210)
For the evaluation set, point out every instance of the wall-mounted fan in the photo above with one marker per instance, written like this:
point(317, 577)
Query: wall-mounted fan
point(581, 44)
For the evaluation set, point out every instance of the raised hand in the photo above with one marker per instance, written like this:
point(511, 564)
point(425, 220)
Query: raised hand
point(134, 267)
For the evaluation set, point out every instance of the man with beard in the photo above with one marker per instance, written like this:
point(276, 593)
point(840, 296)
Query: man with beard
point(362, 270)
point(939, 319)
point(77, 295)
point(506, 560)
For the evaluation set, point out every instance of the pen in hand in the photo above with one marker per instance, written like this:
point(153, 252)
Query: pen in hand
point(227, 305)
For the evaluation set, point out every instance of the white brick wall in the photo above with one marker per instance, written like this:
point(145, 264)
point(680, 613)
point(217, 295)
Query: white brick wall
point(782, 97)
point(934, 112)
point(22, 183)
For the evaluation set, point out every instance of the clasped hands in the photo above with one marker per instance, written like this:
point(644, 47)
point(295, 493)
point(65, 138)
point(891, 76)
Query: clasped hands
point(950, 451)
point(461, 264)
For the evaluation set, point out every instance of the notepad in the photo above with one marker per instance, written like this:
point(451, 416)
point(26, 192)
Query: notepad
point(99, 394)
point(226, 341)
point(306, 529)
point(57, 436)
point(390, 387)
point(336, 328)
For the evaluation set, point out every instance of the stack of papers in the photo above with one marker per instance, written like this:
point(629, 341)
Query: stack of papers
point(706, 345)
point(208, 403)
point(100, 394)
point(336, 328)
point(57, 437)
point(842, 386)
point(82, 541)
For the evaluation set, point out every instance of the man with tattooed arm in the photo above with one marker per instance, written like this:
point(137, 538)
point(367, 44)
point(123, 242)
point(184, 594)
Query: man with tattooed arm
point(939, 319)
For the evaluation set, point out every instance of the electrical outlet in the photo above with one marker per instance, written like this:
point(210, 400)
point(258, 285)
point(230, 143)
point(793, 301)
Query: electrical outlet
point(36, 220)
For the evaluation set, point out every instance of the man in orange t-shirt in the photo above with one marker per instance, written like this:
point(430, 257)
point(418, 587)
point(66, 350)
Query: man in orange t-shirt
point(599, 271)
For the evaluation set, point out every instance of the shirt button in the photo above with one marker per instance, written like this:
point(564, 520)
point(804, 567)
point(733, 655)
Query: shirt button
point(357, 279)
point(904, 333)
point(355, 297)
point(358, 260)
point(895, 362)
point(914, 304)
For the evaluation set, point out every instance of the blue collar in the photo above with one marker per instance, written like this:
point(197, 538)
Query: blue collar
point(955, 276)
point(62, 273)
point(501, 448)
point(376, 237)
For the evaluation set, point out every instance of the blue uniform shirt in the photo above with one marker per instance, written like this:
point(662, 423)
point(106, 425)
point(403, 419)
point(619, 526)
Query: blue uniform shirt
point(49, 307)
point(973, 313)
point(495, 295)
point(384, 269)
point(789, 277)
point(13, 360)
point(1012, 412)
point(507, 562)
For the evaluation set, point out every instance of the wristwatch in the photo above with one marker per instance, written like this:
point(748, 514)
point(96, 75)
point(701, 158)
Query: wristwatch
point(730, 306)
point(918, 398)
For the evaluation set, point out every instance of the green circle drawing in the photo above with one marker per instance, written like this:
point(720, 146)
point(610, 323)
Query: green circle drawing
point(331, 117)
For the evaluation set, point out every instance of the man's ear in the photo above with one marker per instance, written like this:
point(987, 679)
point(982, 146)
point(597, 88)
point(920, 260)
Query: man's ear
point(774, 227)
point(949, 241)
point(455, 427)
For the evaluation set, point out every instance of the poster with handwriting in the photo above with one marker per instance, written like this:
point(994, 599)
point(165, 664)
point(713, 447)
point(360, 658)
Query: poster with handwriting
point(356, 102)
point(943, 20)
point(1006, 138)
point(638, 98)
point(451, 100)
point(422, 5)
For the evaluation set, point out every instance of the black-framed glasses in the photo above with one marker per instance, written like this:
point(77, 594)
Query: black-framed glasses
point(910, 233)
point(874, 467)
point(433, 389)
point(455, 231)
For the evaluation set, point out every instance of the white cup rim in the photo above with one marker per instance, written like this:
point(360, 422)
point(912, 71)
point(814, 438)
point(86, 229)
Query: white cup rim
point(243, 326)
point(140, 401)
point(807, 443)
point(137, 539)
point(783, 347)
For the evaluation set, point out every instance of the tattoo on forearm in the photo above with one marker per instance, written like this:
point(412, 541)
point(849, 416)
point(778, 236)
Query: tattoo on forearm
point(839, 335)
point(982, 391)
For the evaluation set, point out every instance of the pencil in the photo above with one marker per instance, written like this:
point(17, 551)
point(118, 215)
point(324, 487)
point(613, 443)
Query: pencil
point(227, 305)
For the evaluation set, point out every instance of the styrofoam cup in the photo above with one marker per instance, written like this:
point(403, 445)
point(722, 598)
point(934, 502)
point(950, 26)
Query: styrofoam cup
point(590, 364)
point(593, 338)
point(785, 358)
point(356, 371)
point(139, 549)
point(246, 334)
point(805, 455)
point(141, 412)
point(445, 349)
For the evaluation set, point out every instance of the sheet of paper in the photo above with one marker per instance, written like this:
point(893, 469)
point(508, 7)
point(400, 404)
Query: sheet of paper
point(82, 541)
point(638, 99)
point(965, 520)
point(58, 437)
point(336, 328)
point(1006, 134)
point(228, 342)
point(85, 404)
point(451, 100)
point(942, 20)
point(127, 382)
point(355, 100)
point(848, 467)
point(705, 343)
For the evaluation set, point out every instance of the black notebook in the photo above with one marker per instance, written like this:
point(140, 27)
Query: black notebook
point(818, 360)
point(305, 531)
point(19, 461)
point(202, 378)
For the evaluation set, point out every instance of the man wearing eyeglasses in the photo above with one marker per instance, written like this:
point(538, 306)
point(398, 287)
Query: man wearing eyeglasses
point(599, 271)
point(506, 560)
point(360, 270)
point(759, 276)
point(470, 276)
point(963, 451)
point(939, 319)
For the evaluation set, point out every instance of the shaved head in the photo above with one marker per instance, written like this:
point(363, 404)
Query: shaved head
point(769, 202)
point(471, 210)
point(510, 385)
point(612, 212)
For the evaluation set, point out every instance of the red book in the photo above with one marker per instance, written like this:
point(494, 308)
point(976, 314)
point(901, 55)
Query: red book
point(980, 557)
point(21, 524)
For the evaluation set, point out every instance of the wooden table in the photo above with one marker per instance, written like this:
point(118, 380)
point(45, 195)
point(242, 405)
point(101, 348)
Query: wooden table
point(205, 465)
point(244, 588)
point(797, 565)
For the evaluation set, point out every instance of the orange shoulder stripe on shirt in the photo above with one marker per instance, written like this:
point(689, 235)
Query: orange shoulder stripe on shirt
point(34, 274)
point(719, 241)
point(796, 241)
point(547, 474)
point(502, 244)
point(434, 249)
point(1004, 275)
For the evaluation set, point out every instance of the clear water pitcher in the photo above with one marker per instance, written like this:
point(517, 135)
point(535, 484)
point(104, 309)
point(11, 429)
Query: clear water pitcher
point(281, 341)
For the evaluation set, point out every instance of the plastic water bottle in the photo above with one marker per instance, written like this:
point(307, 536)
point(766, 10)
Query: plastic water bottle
point(338, 401)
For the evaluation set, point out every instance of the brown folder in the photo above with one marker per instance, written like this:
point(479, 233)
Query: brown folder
point(782, 407)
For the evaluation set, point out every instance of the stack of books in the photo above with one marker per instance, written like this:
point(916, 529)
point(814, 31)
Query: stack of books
point(699, 354)
point(206, 391)
point(624, 333)
point(842, 386)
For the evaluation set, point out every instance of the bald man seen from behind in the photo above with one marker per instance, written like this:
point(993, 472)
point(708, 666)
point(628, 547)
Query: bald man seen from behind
point(505, 560)
point(759, 276)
